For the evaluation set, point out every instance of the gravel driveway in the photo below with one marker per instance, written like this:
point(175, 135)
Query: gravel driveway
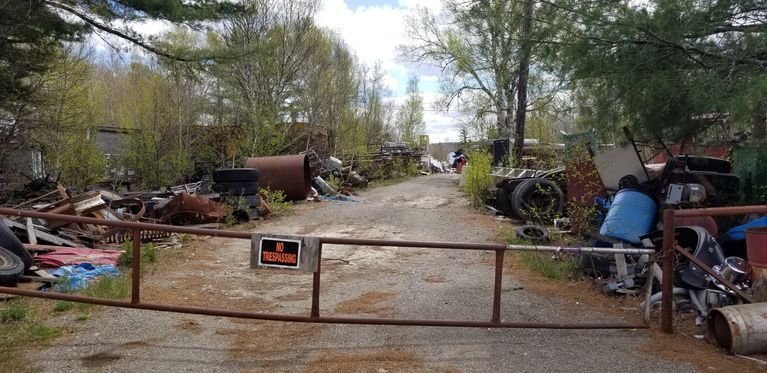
point(357, 281)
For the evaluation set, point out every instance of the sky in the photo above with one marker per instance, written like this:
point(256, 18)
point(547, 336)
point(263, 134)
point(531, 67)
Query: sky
point(373, 29)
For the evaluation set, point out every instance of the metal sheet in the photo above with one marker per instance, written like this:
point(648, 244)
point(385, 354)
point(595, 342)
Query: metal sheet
point(288, 173)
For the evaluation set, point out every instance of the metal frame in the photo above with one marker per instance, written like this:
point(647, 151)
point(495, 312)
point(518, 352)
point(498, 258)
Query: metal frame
point(670, 248)
point(314, 317)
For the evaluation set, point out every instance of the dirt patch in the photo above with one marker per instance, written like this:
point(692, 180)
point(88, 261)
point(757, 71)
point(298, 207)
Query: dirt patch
point(434, 279)
point(255, 340)
point(190, 325)
point(369, 303)
point(388, 360)
point(684, 347)
point(100, 360)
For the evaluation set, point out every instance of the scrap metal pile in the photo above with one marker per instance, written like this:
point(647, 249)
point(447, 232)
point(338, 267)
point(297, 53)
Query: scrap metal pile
point(614, 197)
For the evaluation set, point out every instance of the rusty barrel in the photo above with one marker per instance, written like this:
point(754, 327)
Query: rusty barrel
point(740, 329)
point(288, 173)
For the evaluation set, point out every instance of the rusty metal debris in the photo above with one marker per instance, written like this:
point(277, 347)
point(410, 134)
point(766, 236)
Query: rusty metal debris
point(288, 173)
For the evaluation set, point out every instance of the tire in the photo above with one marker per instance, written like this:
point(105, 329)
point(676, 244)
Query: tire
point(253, 201)
point(503, 201)
point(237, 188)
point(226, 175)
point(533, 233)
point(10, 242)
point(11, 268)
point(538, 200)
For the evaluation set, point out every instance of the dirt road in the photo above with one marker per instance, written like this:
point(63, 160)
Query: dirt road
point(357, 281)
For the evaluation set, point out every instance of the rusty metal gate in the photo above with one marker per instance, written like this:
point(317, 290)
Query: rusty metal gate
point(135, 302)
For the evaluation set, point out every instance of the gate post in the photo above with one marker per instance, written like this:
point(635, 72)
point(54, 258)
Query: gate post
point(136, 267)
point(497, 288)
point(667, 290)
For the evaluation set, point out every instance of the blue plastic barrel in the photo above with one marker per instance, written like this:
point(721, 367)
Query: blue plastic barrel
point(631, 215)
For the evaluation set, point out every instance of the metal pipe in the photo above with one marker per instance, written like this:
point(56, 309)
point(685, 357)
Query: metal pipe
point(316, 285)
point(498, 286)
point(667, 285)
point(424, 244)
point(722, 211)
point(309, 319)
point(136, 267)
point(576, 250)
point(324, 240)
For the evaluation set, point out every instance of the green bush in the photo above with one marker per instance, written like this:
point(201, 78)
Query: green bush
point(276, 200)
point(15, 311)
point(479, 183)
point(148, 254)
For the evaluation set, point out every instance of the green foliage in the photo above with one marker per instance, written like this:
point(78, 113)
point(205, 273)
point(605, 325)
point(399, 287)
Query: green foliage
point(83, 317)
point(478, 179)
point(276, 201)
point(13, 312)
point(668, 68)
point(410, 122)
point(112, 287)
point(63, 306)
point(559, 268)
point(148, 254)
point(39, 332)
point(156, 131)
point(403, 167)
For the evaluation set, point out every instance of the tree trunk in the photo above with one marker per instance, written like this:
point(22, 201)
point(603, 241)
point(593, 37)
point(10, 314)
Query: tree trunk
point(524, 72)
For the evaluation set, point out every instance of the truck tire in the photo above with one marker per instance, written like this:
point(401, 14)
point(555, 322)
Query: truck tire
point(226, 175)
point(503, 201)
point(11, 267)
point(237, 188)
point(538, 200)
point(10, 242)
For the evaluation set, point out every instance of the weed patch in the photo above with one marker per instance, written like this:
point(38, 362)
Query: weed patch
point(478, 179)
point(16, 311)
point(148, 254)
point(277, 202)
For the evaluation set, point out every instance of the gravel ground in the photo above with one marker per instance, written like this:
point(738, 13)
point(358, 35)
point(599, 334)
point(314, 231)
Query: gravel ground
point(357, 281)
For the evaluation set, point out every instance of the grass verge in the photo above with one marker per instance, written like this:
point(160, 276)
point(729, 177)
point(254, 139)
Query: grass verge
point(23, 325)
point(556, 266)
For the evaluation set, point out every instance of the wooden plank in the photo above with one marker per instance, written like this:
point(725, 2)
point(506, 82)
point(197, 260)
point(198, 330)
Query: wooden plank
point(31, 232)
point(41, 235)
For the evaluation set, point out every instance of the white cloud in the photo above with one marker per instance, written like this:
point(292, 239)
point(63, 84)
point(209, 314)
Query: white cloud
point(373, 33)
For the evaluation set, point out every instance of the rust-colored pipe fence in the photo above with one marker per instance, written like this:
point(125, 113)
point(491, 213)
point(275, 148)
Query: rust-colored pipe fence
point(314, 317)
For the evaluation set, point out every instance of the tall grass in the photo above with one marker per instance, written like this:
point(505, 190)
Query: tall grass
point(479, 183)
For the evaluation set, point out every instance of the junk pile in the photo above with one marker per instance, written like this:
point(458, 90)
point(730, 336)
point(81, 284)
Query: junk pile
point(614, 198)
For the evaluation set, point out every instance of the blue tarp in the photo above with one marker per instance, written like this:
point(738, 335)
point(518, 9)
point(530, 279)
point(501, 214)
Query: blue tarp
point(739, 233)
point(339, 197)
point(77, 277)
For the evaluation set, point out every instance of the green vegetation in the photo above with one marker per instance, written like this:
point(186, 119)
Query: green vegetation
point(22, 324)
point(63, 306)
point(478, 179)
point(558, 267)
point(276, 201)
point(148, 254)
point(15, 311)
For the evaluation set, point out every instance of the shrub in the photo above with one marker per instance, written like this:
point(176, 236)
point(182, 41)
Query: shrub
point(478, 180)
